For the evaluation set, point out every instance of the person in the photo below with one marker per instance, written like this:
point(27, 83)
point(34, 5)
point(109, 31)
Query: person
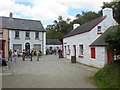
point(3, 62)
point(60, 53)
point(31, 54)
point(23, 54)
point(38, 54)
point(55, 51)
point(15, 55)
point(47, 51)
point(10, 55)
point(27, 53)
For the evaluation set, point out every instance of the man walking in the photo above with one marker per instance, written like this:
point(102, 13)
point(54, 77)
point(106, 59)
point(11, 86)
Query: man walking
point(10, 55)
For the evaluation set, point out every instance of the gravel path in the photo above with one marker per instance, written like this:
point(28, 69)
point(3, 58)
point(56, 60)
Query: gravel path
point(49, 72)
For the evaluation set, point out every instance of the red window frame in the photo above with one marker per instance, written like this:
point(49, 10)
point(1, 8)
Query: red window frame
point(93, 53)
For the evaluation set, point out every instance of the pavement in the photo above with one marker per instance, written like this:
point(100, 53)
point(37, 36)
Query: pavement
point(49, 72)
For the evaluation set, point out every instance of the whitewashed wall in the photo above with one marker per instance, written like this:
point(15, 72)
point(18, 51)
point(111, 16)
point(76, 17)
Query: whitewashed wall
point(23, 41)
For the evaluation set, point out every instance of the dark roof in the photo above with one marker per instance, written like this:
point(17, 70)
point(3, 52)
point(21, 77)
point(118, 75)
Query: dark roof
point(53, 42)
point(85, 27)
point(20, 24)
point(100, 41)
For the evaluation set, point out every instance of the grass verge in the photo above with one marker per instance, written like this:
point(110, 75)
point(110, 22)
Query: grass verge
point(108, 76)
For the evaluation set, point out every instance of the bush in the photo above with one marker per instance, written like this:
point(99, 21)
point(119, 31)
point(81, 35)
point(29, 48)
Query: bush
point(109, 76)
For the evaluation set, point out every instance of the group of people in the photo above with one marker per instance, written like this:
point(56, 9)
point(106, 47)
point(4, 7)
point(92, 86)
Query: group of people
point(12, 56)
point(55, 51)
point(30, 55)
point(3, 61)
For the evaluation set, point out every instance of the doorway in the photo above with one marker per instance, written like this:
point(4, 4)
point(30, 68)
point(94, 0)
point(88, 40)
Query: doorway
point(27, 47)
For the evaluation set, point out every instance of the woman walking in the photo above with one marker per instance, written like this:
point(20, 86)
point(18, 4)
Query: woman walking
point(15, 55)
point(38, 54)
point(23, 54)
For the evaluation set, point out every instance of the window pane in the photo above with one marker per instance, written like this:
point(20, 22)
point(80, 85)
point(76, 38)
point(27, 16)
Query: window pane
point(1, 34)
point(81, 49)
point(27, 34)
point(99, 28)
point(36, 34)
point(37, 46)
point(16, 34)
point(17, 47)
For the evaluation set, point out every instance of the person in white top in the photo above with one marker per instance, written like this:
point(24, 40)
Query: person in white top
point(15, 56)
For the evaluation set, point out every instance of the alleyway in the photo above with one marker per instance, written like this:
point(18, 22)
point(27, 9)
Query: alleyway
point(49, 72)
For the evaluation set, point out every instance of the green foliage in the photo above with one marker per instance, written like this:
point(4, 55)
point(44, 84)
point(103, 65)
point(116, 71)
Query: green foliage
point(85, 17)
point(108, 77)
point(113, 38)
point(61, 27)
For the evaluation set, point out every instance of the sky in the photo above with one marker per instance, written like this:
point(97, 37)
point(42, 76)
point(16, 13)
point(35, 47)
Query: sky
point(48, 10)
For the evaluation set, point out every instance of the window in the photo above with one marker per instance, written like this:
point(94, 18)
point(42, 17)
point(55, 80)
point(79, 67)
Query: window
point(1, 34)
point(99, 30)
point(93, 53)
point(16, 34)
point(81, 51)
point(68, 53)
point(37, 46)
point(27, 36)
point(36, 35)
point(17, 47)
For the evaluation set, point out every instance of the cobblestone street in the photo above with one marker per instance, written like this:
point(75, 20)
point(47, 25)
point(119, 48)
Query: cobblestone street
point(49, 72)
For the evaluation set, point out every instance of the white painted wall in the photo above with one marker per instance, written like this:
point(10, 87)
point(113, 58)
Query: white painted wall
point(86, 39)
point(23, 41)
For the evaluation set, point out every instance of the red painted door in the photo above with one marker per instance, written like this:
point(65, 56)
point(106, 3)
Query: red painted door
point(109, 55)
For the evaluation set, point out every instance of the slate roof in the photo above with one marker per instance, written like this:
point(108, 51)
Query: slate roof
point(100, 41)
point(53, 42)
point(20, 24)
point(85, 27)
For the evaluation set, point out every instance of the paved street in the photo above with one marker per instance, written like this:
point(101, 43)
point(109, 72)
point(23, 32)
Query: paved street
point(49, 72)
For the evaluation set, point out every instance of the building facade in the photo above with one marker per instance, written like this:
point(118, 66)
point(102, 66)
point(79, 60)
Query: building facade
point(23, 34)
point(79, 41)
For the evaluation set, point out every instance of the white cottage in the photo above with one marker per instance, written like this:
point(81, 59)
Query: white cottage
point(24, 34)
point(53, 44)
point(82, 41)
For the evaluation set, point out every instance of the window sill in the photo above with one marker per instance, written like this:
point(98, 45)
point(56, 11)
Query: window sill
point(80, 56)
point(68, 54)
point(17, 38)
point(93, 58)
point(27, 38)
point(99, 33)
point(37, 39)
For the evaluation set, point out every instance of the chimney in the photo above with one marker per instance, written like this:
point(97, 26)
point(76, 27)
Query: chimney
point(75, 26)
point(108, 12)
point(11, 16)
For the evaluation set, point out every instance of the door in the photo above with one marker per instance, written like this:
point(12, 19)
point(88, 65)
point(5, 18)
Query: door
point(109, 55)
point(65, 51)
point(27, 47)
point(74, 48)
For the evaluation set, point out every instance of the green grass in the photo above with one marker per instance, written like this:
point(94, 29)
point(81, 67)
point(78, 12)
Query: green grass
point(108, 76)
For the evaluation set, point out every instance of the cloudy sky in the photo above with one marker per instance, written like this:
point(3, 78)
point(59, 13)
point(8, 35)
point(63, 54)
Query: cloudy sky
point(48, 10)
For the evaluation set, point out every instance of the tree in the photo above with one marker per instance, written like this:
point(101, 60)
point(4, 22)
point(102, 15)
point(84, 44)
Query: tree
point(116, 9)
point(113, 38)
